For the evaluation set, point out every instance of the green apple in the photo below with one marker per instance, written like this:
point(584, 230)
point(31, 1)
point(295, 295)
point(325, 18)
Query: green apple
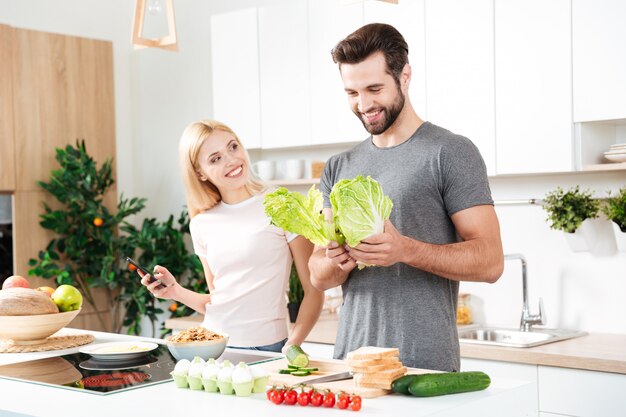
point(67, 298)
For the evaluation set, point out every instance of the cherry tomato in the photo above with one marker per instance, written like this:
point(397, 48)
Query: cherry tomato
point(269, 393)
point(132, 268)
point(356, 403)
point(343, 401)
point(317, 399)
point(291, 397)
point(278, 396)
point(98, 222)
point(329, 400)
point(304, 398)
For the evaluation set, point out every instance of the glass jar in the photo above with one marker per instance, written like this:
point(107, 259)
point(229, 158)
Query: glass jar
point(463, 310)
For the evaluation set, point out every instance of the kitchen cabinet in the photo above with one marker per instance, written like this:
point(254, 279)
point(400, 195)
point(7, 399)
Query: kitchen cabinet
point(62, 91)
point(533, 86)
point(332, 120)
point(284, 74)
point(460, 71)
point(571, 392)
point(235, 70)
point(599, 59)
point(7, 141)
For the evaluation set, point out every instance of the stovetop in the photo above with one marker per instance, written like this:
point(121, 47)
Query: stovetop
point(81, 372)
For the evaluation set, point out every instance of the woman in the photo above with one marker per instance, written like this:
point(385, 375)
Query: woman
point(246, 260)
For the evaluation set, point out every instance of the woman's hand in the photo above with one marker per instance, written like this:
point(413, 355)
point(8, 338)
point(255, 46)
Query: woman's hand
point(165, 284)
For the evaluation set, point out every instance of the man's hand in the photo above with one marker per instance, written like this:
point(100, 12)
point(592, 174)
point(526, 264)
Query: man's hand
point(339, 256)
point(384, 249)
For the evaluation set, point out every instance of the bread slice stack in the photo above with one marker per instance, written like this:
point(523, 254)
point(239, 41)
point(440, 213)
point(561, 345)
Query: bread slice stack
point(375, 367)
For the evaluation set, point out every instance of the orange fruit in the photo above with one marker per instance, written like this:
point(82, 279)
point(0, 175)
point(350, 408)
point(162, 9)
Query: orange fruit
point(47, 290)
point(173, 307)
point(98, 222)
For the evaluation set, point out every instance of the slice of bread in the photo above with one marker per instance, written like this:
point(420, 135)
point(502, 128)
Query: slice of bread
point(372, 362)
point(373, 352)
point(383, 366)
point(381, 379)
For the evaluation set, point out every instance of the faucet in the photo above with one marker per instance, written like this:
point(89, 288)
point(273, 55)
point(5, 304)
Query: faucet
point(527, 319)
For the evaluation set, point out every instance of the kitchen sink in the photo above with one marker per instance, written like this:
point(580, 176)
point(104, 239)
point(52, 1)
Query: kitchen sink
point(498, 336)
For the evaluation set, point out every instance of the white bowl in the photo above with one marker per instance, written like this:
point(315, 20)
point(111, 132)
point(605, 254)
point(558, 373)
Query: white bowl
point(31, 330)
point(206, 350)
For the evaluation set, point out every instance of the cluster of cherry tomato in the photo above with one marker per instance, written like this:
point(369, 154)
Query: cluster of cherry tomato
point(311, 396)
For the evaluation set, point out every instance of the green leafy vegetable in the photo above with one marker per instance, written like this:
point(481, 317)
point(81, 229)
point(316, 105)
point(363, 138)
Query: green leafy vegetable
point(301, 214)
point(359, 208)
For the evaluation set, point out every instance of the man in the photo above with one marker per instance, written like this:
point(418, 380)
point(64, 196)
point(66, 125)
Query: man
point(443, 228)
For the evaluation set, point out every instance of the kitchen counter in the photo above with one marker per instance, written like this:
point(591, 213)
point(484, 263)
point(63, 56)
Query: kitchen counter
point(504, 397)
point(593, 352)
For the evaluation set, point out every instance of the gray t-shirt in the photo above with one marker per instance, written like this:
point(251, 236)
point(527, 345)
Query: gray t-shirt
point(429, 177)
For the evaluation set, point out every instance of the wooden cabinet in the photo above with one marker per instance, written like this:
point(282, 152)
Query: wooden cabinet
point(284, 74)
point(599, 59)
point(460, 71)
point(7, 141)
point(573, 392)
point(62, 91)
point(533, 86)
point(235, 70)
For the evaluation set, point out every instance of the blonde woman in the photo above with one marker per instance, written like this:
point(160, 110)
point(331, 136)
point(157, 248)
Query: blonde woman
point(246, 260)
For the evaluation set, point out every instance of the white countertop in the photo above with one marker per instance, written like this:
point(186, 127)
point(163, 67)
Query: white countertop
point(503, 397)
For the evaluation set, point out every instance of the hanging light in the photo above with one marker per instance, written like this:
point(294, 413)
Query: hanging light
point(154, 13)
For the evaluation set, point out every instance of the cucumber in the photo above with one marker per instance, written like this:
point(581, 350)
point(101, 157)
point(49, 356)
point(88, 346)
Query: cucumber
point(430, 385)
point(401, 385)
point(301, 373)
point(296, 356)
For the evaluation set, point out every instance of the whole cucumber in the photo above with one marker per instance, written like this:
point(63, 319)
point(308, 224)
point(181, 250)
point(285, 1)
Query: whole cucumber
point(430, 385)
point(401, 385)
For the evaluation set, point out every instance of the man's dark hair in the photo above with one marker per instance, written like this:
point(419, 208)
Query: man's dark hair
point(375, 37)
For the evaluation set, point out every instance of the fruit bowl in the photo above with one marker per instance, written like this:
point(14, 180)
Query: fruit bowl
point(32, 330)
point(205, 349)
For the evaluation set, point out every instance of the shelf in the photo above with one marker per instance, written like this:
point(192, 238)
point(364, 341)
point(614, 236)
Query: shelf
point(618, 166)
point(303, 181)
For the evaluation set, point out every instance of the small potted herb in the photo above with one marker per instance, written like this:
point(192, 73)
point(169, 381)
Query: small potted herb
point(567, 210)
point(615, 210)
point(296, 294)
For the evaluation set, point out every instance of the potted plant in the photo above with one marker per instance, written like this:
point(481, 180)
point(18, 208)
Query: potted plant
point(568, 210)
point(295, 295)
point(615, 210)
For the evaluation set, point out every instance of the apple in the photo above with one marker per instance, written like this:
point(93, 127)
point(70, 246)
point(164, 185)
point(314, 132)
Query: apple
point(67, 298)
point(47, 290)
point(15, 281)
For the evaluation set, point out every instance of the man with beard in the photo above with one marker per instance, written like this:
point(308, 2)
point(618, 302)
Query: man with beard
point(443, 228)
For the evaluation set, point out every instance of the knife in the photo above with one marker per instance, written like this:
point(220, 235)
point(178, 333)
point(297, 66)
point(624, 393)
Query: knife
point(330, 378)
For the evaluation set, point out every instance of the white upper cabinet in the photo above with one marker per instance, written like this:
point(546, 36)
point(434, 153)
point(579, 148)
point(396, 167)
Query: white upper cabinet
point(235, 73)
point(284, 74)
point(332, 121)
point(408, 17)
point(533, 86)
point(599, 45)
point(460, 71)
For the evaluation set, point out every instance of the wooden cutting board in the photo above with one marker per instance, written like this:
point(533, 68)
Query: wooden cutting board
point(326, 367)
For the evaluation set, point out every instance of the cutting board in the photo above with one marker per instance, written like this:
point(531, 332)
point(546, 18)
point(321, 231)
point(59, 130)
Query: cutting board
point(326, 367)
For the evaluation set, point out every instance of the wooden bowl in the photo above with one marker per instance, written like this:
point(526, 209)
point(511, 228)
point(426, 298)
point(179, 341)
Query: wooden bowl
point(32, 330)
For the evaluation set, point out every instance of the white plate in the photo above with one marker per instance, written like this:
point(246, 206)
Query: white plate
point(118, 351)
point(616, 157)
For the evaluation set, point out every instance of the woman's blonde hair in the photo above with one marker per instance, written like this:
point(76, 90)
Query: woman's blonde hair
point(203, 195)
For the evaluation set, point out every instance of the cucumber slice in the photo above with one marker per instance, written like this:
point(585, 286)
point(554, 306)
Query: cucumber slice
point(301, 373)
point(296, 356)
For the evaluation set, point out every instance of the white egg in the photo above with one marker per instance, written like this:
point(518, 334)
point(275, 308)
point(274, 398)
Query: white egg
point(196, 369)
point(182, 367)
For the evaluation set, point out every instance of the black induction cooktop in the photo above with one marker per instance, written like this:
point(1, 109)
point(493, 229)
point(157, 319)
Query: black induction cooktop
point(81, 372)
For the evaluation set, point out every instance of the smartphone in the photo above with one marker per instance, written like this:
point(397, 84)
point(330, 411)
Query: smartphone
point(142, 269)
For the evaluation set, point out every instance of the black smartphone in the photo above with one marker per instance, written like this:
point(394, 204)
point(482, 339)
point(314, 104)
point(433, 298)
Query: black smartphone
point(142, 269)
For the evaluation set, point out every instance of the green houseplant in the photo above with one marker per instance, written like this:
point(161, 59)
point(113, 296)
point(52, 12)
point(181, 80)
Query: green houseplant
point(91, 241)
point(568, 209)
point(615, 209)
point(295, 295)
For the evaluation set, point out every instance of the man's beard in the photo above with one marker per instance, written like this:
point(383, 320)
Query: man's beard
point(390, 114)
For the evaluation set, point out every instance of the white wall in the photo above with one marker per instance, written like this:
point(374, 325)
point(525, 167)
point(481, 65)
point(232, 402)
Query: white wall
point(159, 92)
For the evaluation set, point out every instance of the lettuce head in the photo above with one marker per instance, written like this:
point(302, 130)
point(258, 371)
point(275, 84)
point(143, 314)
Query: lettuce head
point(296, 213)
point(359, 208)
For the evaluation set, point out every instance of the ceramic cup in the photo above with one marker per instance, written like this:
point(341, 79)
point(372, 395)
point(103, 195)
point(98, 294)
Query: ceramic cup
point(293, 169)
point(264, 170)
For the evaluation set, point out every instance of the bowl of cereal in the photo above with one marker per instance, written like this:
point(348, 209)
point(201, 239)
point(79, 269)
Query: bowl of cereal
point(197, 341)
